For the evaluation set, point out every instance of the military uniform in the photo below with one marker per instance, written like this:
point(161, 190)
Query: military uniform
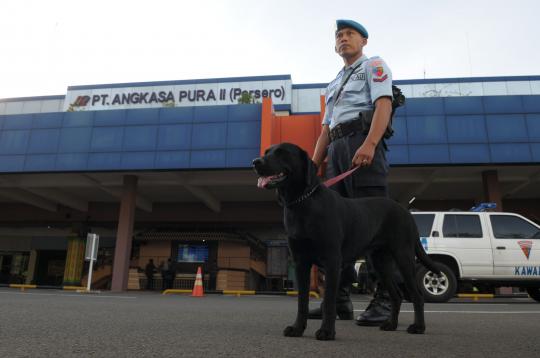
point(370, 80)
point(351, 95)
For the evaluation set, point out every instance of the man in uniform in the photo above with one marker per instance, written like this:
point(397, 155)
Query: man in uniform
point(358, 110)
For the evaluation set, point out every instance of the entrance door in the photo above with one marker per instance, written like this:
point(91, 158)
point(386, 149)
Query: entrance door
point(5, 268)
point(50, 267)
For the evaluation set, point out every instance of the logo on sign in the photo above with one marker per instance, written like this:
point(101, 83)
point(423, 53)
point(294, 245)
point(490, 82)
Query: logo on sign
point(526, 270)
point(526, 247)
point(81, 101)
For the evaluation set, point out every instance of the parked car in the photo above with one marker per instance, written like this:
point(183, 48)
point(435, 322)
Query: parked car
point(488, 249)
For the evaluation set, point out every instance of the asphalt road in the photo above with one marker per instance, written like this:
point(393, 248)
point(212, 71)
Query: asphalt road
point(43, 323)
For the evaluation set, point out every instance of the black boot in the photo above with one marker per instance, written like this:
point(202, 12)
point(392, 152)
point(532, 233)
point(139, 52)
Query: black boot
point(377, 311)
point(344, 306)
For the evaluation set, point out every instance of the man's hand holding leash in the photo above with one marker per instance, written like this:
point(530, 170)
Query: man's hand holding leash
point(364, 155)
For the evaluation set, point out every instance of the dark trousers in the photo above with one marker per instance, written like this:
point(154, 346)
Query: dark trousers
point(365, 182)
point(164, 281)
point(169, 279)
point(149, 282)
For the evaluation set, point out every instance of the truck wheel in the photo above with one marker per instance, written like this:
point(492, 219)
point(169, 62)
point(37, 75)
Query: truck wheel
point(534, 292)
point(437, 288)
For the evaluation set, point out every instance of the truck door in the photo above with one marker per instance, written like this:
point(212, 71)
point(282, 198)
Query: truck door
point(462, 235)
point(516, 246)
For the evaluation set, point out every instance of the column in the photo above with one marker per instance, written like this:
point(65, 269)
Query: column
point(124, 235)
point(492, 191)
point(31, 267)
point(74, 260)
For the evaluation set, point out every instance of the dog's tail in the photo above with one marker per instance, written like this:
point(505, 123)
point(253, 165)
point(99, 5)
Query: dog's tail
point(425, 259)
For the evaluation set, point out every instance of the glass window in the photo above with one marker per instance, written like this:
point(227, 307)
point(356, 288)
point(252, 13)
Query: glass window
point(513, 227)
point(494, 88)
point(424, 222)
point(471, 89)
point(456, 225)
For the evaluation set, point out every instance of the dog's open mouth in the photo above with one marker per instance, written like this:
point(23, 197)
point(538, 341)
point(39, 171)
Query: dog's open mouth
point(271, 180)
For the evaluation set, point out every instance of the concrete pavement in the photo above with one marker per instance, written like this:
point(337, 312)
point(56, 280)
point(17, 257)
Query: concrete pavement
point(63, 324)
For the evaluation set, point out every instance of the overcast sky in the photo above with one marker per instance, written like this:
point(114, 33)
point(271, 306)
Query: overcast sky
point(47, 46)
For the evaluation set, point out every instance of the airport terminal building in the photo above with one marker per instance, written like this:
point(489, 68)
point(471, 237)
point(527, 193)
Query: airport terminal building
point(162, 170)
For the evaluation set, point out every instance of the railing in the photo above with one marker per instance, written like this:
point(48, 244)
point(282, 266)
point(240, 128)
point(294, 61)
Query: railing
point(185, 271)
point(181, 282)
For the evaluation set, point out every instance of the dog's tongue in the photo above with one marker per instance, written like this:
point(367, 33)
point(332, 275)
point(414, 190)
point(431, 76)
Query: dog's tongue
point(263, 181)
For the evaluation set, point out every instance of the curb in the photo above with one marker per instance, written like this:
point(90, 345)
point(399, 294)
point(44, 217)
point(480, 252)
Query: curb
point(475, 296)
point(23, 287)
point(243, 292)
point(313, 294)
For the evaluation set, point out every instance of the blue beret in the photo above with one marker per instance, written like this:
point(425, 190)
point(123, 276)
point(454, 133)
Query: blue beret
point(341, 24)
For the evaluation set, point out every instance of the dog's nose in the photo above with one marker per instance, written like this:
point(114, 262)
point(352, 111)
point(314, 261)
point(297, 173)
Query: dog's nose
point(257, 161)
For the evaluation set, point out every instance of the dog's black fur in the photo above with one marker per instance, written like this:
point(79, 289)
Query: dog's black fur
point(328, 230)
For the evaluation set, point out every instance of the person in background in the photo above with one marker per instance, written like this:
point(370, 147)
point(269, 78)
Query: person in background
point(164, 269)
point(171, 273)
point(149, 272)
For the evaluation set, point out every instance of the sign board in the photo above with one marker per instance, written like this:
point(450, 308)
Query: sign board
point(225, 92)
point(92, 244)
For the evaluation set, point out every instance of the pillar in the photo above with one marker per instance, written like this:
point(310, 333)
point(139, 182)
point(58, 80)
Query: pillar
point(492, 191)
point(31, 267)
point(124, 235)
point(74, 260)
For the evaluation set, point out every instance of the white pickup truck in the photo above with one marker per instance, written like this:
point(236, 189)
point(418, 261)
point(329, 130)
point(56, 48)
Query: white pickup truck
point(489, 249)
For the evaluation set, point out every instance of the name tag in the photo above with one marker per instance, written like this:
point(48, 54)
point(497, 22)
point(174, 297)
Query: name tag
point(358, 77)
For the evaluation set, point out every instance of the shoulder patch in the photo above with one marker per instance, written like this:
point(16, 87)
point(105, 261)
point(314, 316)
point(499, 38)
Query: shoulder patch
point(378, 71)
point(380, 79)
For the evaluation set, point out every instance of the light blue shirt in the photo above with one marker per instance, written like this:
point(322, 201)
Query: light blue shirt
point(371, 79)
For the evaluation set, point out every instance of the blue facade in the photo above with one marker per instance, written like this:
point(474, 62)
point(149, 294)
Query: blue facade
point(467, 130)
point(134, 139)
point(435, 130)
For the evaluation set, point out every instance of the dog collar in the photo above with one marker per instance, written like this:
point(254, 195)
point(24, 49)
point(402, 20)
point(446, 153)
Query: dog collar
point(302, 197)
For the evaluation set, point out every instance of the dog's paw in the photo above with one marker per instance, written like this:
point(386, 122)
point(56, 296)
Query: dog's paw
point(325, 335)
point(416, 329)
point(293, 331)
point(388, 325)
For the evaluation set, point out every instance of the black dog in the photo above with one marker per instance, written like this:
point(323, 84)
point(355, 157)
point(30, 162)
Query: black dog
point(330, 231)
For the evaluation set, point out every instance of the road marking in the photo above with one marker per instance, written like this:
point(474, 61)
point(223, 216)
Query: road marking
point(483, 304)
point(67, 295)
point(472, 304)
point(470, 312)
point(481, 312)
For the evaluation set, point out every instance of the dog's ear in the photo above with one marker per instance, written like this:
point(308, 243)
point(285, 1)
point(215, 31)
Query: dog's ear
point(311, 170)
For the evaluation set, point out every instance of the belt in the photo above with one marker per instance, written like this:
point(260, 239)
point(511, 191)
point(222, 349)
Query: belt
point(344, 129)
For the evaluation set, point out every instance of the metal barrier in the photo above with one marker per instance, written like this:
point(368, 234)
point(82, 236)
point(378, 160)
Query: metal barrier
point(179, 283)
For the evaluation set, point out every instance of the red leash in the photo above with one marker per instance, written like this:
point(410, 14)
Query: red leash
point(340, 177)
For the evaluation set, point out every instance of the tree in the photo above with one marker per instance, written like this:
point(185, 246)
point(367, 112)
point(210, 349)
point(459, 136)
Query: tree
point(246, 98)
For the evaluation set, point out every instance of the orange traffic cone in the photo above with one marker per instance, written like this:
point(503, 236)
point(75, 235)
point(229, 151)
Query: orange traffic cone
point(198, 286)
